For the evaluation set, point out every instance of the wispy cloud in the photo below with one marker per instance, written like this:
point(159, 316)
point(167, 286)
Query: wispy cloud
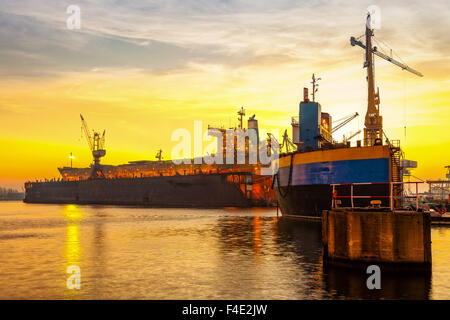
point(161, 35)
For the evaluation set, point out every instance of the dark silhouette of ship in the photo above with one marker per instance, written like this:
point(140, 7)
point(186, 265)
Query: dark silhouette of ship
point(163, 183)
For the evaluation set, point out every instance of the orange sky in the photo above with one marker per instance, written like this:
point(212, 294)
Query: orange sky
point(142, 85)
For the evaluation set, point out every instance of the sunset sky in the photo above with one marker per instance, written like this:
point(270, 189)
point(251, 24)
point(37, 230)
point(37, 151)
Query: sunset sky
point(142, 69)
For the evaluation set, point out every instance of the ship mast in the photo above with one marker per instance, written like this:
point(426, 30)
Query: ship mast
point(315, 86)
point(241, 114)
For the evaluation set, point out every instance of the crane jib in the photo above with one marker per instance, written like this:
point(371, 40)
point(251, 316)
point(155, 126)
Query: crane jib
point(355, 42)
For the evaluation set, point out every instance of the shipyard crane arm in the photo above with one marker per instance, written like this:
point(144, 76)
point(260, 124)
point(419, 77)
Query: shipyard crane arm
point(343, 123)
point(358, 43)
point(352, 136)
point(272, 141)
point(86, 133)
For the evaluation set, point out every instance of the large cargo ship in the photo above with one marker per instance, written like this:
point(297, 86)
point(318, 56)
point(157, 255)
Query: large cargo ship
point(303, 185)
point(321, 170)
point(159, 183)
point(304, 182)
point(207, 190)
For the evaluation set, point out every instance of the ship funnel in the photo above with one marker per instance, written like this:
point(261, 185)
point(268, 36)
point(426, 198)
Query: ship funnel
point(305, 95)
point(252, 125)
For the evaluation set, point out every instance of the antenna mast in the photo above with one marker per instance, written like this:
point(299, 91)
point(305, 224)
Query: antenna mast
point(241, 113)
point(315, 86)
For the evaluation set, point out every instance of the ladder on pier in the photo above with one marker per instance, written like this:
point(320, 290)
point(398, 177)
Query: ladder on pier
point(396, 167)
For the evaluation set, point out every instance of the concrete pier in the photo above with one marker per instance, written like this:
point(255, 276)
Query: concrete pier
point(394, 240)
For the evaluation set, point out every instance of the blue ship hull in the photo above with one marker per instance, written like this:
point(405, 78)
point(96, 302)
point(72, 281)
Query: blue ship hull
point(303, 184)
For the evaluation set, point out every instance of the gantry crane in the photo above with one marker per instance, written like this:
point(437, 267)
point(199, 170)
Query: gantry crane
point(373, 131)
point(96, 143)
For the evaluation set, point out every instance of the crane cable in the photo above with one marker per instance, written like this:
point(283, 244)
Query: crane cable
point(392, 52)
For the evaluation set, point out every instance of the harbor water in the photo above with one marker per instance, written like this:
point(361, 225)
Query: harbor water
point(152, 253)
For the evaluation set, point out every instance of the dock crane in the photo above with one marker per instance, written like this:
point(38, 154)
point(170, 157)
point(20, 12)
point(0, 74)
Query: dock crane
point(159, 155)
point(272, 141)
point(327, 136)
point(287, 143)
point(373, 131)
point(96, 143)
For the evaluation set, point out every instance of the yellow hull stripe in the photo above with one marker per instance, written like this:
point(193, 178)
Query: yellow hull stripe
point(373, 152)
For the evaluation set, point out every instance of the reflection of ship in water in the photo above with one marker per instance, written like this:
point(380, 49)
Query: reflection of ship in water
point(250, 257)
point(303, 241)
point(306, 239)
point(284, 258)
point(299, 244)
point(352, 284)
point(232, 178)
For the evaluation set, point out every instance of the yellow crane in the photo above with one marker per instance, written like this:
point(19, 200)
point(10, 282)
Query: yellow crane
point(373, 131)
point(96, 142)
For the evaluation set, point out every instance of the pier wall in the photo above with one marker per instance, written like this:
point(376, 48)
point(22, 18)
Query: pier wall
point(398, 240)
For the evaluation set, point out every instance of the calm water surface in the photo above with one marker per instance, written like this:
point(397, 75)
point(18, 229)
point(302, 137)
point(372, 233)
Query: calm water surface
point(141, 253)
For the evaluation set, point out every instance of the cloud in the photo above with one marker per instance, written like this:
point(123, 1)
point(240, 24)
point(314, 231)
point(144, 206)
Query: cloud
point(166, 35)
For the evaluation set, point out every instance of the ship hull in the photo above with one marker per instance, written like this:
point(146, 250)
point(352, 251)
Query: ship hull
point(308, 201)
point(213, 190)
point(303, 185)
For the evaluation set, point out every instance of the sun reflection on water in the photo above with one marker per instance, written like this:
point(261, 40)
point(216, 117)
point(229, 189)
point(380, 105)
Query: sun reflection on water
point(72, 252)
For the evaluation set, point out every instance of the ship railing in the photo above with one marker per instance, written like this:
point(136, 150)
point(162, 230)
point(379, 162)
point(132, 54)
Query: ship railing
point(392, 197)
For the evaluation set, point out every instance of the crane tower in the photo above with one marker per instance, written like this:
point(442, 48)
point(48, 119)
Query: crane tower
point(373, 131)
point(96, 142)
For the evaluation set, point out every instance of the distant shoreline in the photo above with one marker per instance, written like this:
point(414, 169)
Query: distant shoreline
point(15, 197)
